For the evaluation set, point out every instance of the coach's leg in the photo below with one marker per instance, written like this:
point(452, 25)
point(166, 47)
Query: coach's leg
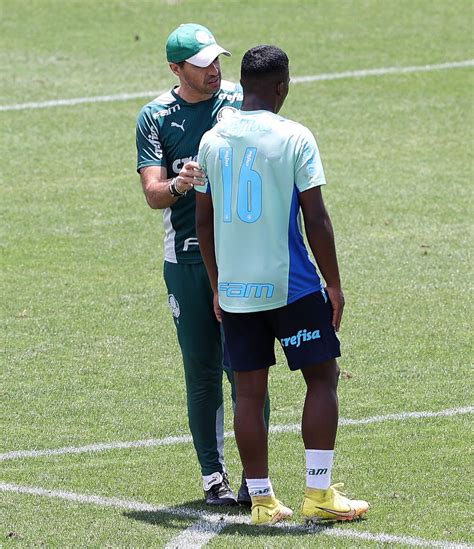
point(199, 338)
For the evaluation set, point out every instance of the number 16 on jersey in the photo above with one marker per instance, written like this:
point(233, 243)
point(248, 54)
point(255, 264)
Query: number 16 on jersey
point(249, 186)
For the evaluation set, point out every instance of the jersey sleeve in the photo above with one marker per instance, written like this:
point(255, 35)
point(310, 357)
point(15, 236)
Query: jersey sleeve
point(309, 170)
point(149, 149)
point(201, 159)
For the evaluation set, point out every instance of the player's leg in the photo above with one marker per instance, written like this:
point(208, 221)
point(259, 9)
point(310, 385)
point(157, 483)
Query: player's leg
point(243, 496)
point(323, 501)
point(230, 376)
point(249, 424)
point(310, 344)
point(319, 422)
point(249, 343)
point(198, 331)
point(321, 410)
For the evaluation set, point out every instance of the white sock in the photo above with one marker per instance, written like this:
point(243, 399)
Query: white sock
point(259, 487)
point(318, 468)
point(210, 480)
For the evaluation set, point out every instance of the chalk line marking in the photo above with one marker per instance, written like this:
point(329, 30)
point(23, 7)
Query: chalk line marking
point(295, 80)
point(197, 535)
point(383, 71)
point(209, 525)
point(292, 428)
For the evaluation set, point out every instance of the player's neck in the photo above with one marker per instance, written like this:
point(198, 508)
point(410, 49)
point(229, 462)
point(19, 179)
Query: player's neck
point(256, 103)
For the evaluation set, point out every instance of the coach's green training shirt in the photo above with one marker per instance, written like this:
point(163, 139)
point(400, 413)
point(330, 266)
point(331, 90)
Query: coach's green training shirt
point(168, 133)
point(257, 163)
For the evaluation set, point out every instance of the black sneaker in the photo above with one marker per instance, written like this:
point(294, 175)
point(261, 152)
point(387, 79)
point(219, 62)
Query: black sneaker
point(243, 496)
point(218, 491)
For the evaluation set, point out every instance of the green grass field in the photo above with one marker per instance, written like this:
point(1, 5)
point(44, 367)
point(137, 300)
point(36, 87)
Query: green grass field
point(89, 351)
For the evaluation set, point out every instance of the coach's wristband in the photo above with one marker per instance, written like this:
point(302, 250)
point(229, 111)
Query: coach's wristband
point(174, 191)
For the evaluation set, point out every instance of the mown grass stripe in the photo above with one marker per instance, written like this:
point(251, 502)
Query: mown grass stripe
point(292, 428)
point(209, 524)
point(295, 80)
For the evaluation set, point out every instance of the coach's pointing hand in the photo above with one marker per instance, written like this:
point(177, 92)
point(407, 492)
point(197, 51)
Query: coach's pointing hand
point(189, 175)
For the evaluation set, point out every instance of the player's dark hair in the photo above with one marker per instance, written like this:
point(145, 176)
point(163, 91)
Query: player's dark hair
point(263, 62)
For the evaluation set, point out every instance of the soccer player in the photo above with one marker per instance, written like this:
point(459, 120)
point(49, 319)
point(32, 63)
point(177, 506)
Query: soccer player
point(168, 132)
point(262, 170)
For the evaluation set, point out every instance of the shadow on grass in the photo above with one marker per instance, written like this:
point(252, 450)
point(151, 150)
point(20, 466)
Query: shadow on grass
point(235, 521)
point(184, 515)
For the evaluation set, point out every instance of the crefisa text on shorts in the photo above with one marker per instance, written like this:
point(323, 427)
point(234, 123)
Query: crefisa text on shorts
point(301, 336)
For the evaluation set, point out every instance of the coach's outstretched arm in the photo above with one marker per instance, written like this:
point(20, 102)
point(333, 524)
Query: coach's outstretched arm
point(320, 234)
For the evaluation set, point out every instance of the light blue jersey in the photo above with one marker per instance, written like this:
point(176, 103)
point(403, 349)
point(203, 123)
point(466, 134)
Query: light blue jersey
point(256, 164)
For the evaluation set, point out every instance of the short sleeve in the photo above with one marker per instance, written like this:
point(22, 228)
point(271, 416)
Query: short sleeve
point(309, 170)
point(149, 150)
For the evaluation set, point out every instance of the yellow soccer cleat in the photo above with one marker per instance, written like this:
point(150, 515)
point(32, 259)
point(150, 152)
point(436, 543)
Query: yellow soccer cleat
point(268, 510)
point(331, 504)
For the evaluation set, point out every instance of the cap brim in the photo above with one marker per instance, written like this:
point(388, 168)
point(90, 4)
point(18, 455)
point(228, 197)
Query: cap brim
point(207, 55)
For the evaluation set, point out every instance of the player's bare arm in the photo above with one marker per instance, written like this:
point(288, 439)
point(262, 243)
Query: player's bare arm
point(156, 184)
point(320, 236)
point(205, 234)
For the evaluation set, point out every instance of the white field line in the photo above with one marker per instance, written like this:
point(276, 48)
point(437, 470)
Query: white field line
point(209, 525)
point(295, 80)
point(197, 535)
point(383, 71)
point(292, 428)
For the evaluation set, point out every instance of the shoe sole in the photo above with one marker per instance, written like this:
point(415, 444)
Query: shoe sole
point(228, 503)
point(315, 519)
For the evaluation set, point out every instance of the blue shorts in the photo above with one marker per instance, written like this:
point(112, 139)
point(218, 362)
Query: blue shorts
point(303, 329)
